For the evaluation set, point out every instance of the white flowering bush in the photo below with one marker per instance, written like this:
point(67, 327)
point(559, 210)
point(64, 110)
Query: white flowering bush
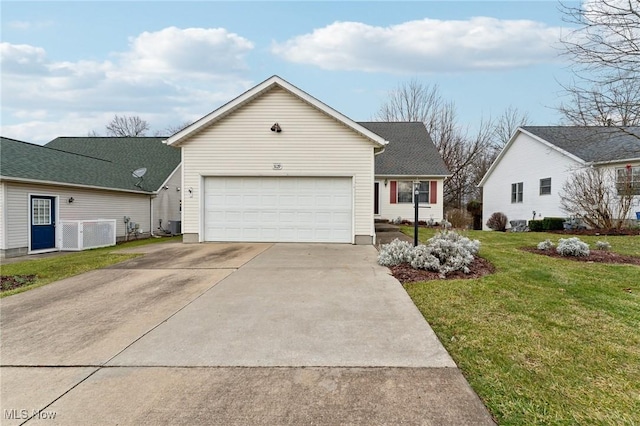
point(445, 252)
point(445, 224)
point(572, 247)
point(423, 259)
point(453, 251)
point(603, 245)
point(546, 245)
point(395, 253)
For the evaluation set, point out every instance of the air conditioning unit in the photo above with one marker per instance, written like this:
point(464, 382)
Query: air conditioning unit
point(175, 227)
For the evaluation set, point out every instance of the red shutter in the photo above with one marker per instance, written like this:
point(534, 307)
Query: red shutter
point(433, 192)
point(393, 193)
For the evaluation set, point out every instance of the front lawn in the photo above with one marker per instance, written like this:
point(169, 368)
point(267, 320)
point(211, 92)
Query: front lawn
point(543, 340)
point(55, 268)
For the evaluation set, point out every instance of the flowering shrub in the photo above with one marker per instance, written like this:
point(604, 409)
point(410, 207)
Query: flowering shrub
point(572, 247)
point(445, 224)
point(445, 252)
point(546, 245)
point(603, 245)
point(395, 253)
point(423, 259)
point(453, 251)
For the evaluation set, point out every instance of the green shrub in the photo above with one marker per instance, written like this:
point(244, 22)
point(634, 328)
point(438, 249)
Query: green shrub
point(553, 223)
point(536, 226)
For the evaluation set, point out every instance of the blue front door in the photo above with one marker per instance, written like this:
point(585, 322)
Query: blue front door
point(43, 222)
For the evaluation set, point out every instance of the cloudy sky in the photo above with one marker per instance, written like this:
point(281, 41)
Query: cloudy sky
point(69, 67)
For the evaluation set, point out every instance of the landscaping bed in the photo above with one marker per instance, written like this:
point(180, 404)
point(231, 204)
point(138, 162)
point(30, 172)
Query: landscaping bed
point(599, 256)
point(11, 282)
point(406, 274)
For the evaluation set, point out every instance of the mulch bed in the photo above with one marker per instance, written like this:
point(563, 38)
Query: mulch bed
point(596, 232)
point(10, 282)
point(597, 256)
point(406, 274)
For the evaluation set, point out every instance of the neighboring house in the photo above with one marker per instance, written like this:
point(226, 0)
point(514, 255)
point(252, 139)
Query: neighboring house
point(42, 185)
point(409, 157)
point(529, 173)
point(276, 164)
point(163, 176)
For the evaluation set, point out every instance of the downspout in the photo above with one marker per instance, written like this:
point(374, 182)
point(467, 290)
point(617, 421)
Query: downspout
point(151, 197)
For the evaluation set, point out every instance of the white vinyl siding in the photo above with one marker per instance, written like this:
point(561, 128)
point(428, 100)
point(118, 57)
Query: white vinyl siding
point(278, 209)
point(87, 204)
point(405, 210)
point(311, 143)
point(3, 213)
point(526, 160)
point(166, 205)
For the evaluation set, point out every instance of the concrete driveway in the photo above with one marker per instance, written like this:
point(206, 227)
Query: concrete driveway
point(229, 334)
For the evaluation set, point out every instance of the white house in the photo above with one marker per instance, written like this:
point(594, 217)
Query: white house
point(529, 173)
point(42, 186)
point(409, 158)
point(276, 164)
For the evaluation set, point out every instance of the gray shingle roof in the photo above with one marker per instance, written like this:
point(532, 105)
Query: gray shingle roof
point(128, 152)
point(91, 165)
point(594, 143)
point(410, 151)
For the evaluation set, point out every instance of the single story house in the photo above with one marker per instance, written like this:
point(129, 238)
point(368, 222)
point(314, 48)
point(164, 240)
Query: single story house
point(527, 177)
point(276, 164)
point(410, 157)
point(83, 179)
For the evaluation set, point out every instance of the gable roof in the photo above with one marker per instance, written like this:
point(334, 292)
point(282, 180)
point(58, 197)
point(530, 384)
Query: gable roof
point(27, 162)
point(259, 90)
point(583, 144)
point(410, 151)
point(130, 153)
point(592, 144)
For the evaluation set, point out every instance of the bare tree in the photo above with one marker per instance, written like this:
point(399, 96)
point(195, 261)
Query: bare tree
point(604, 50)
point(414, 101)
point(127, 126)
point(506, 125)
point(172, 129)
point(592, 195)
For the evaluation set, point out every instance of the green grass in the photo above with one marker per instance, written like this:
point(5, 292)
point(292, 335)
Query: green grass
point(543, 341)
point(63, 266)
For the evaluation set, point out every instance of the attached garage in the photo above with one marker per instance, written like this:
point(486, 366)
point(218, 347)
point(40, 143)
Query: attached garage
point(278, 209)
point(277, 165)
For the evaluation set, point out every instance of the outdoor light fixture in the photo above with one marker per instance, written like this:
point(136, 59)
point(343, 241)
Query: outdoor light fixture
point(70, 200)
point(386, 181)
point(276, 128)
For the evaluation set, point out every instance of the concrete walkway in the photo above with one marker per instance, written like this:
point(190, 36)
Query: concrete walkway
point(229, 334)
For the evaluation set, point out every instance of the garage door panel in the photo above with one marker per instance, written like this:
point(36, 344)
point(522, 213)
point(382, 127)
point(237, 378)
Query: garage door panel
point(287, 209)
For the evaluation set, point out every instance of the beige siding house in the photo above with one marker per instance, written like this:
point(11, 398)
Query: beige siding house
point(43, 189)
point(276, 164)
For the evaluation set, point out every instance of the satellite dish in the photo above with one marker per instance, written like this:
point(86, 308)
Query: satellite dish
point(138, 173)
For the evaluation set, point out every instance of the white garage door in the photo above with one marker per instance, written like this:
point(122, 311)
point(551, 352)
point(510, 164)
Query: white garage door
point(278, 209)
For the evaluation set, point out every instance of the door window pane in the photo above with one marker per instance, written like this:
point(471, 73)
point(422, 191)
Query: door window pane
point(41, 211)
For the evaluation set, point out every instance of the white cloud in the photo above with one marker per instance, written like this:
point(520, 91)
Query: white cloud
point(200, 52)
point(423, 46)
point(166, 77)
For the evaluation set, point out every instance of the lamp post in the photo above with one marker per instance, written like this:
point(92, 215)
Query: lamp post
point(416, 199)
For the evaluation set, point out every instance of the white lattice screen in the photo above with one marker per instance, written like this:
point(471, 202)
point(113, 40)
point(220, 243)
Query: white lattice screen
point(87, 234)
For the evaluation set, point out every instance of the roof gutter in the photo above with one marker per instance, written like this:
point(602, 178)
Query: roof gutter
point(73, 185)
